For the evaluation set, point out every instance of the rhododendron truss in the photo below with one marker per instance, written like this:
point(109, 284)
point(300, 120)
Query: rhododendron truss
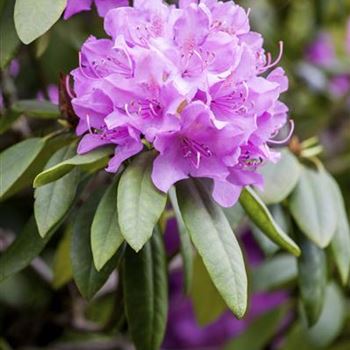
point(194, 82)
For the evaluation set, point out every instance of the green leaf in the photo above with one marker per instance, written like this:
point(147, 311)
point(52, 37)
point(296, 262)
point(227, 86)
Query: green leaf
point(23, 250)
point(186, 248)
point(340, 244)
point(4, 345)
point(262, 218)
point(312, 277)
point(9, 41)
point(51, 145)
point(216, 243)
point(54, 200)
point(332, 318)
point(42, 45)
point(15, 160)
point(297, 339)
point(326, 330)
point(33, 18)
point(37, 109)
point(106, 237)
point(62, 265)
point(61, 169)
point(234, 215)
point(140, 203)
point(313, 207)
point(24, 291)
point(7, 120)
point(280, 179)
point(146, 293)
point(342, 346)
point(265, 243)
point(203, 290)
point(259, 332)
point(89, 281)
point(274, 273)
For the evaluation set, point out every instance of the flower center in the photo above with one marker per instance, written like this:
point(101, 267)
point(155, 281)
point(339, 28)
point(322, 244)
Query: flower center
point(144, 108)
point(249, 161)
point(234, 102)
point(194, 151)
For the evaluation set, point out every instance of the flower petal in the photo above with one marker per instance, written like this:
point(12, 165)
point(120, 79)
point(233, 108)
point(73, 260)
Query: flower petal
point(167, 170)
point(103, 6)
point(76, 6)
point(123, 152)
point(90, 142)
point(225, 193)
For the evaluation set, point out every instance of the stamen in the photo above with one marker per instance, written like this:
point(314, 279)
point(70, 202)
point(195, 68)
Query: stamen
point(127, 110)
point(68, 87)
point(82, 68)
point(152, 109)
point(278, 59)
point(89, 124)
point(198, 160)
point(194, 151)
point(200, 58)
point(268, 59)
point(286, 139)
point(246, 88)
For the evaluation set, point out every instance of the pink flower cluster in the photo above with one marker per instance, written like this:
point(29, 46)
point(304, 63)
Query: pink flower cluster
point(192, 81)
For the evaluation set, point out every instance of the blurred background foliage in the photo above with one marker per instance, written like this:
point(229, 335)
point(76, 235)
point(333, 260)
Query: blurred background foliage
point(36, 313)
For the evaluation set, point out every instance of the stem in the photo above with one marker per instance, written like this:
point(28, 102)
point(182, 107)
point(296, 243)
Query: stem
point(316, 162)
point(312, 141)
point(311, 152)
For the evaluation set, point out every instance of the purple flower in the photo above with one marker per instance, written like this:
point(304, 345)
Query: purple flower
point(339, 85)
point(103, 6)
point(321, 51)
point(14, 68)
point(193, 81)
point(52, 92)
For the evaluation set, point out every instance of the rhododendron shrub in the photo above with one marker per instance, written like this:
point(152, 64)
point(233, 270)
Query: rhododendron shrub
point(153, 191)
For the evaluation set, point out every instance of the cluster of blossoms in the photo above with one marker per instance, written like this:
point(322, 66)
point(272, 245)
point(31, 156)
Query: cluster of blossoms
point(192, 81)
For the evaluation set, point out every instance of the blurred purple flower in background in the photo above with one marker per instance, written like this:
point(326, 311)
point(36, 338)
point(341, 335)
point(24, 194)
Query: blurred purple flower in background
point(52, 91)
point(14, 68)
point(183, 331)
point(339, 85)
point(321, 51)
point(52, 94)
